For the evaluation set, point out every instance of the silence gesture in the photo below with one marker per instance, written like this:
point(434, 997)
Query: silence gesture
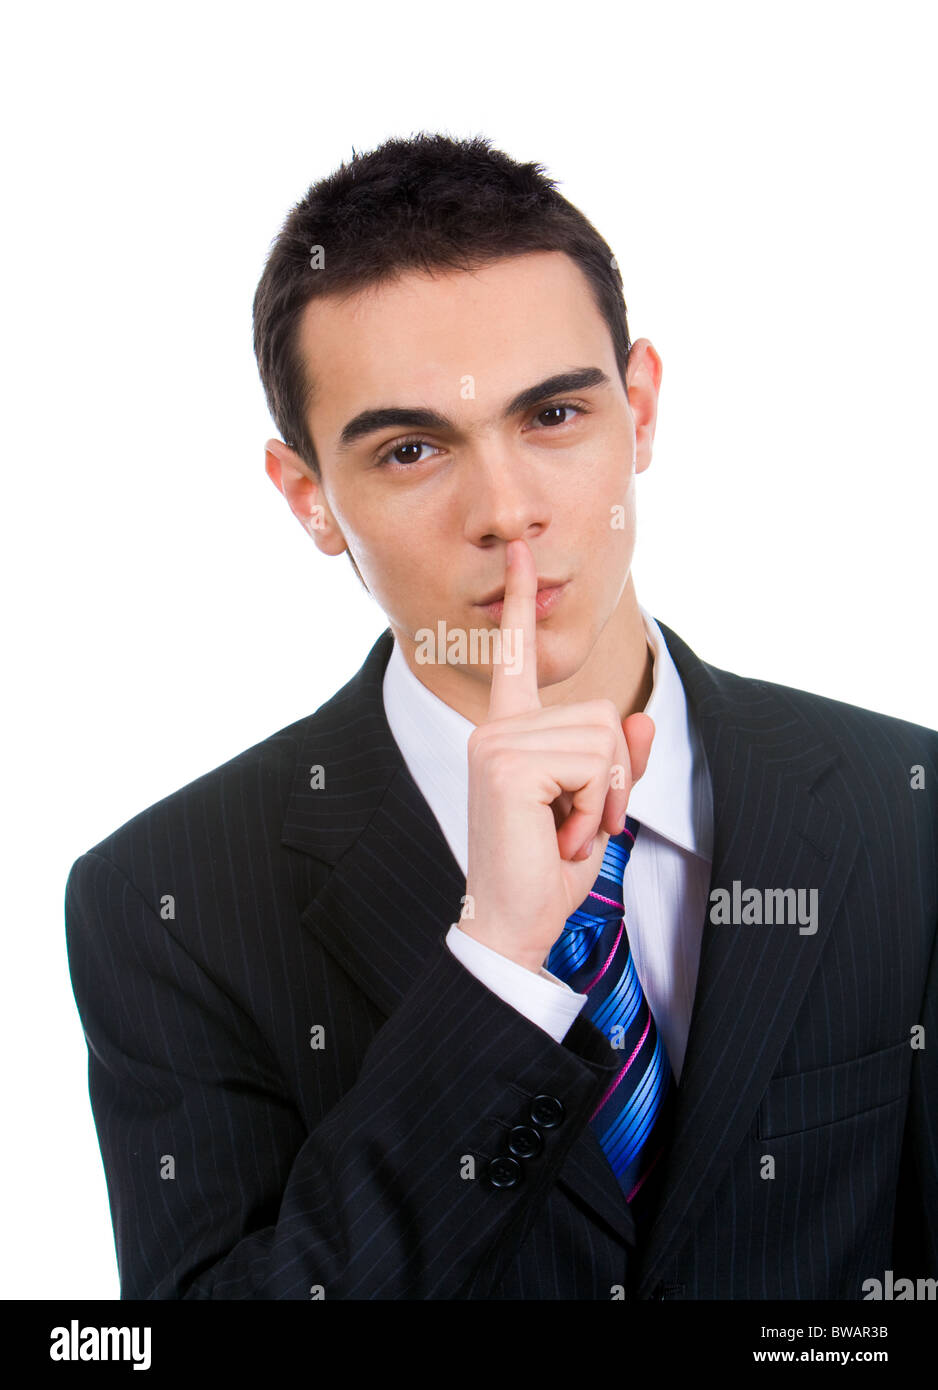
point(539, 790)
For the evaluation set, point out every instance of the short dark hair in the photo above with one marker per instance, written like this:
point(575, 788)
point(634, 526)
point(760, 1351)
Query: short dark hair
point(425, 203)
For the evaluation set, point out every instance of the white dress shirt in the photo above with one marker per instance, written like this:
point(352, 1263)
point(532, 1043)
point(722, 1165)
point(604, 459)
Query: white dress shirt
point(667, 879)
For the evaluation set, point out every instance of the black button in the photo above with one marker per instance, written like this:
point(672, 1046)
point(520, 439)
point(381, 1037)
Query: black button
point(524, 1141)
point(504, 1172)
point(545, 1111)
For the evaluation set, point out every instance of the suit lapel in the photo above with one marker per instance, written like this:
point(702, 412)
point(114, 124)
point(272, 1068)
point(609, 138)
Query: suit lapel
point(395, 886)
point(772, 829)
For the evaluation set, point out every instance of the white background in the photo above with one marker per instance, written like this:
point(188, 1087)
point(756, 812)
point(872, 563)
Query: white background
point(765, 175)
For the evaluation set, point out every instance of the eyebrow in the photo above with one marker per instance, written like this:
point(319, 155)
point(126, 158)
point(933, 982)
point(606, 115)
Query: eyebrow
point(421, 418)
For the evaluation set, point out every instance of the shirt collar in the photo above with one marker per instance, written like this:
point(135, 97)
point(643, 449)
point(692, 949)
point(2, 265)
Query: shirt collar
point(673, 798)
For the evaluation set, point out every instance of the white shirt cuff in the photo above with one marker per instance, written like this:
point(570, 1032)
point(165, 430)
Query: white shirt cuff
point(545, 1000)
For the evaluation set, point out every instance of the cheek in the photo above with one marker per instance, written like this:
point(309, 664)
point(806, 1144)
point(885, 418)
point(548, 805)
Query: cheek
point(609, 527)
point(398, 571)
point(609, 547)
point(607, 500)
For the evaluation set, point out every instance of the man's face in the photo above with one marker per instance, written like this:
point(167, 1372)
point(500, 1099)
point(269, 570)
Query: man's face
point(427, 521)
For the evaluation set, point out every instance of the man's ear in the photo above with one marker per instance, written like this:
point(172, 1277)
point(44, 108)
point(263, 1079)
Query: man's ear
point(305, 496)
point(643, 376)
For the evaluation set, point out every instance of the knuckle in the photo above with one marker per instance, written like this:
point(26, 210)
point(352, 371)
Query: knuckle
point(479, 753)
point(610, 713)
point(610, 744)
point(484, 738)
point(502, 764)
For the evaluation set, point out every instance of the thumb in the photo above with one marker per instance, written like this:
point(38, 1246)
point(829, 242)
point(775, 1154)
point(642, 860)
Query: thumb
point(639, 731)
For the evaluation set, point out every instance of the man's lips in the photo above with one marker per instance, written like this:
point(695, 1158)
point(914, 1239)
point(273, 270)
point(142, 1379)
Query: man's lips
point(547, 598)
point(497, 594)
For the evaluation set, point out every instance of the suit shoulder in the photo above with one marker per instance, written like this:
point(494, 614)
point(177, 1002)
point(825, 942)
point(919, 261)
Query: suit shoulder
point(861, 760)
point(851, 727)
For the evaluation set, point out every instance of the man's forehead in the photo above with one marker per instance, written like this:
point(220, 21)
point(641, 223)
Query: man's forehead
point(387, 343)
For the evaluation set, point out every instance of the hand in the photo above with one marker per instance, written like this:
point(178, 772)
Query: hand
point(539, 792)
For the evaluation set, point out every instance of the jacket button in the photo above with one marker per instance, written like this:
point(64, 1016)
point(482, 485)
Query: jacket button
point(524, 1141)
point(504, 1172)
point(545, 1111)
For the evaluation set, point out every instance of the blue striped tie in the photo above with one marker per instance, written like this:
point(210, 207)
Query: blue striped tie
point(592, 954)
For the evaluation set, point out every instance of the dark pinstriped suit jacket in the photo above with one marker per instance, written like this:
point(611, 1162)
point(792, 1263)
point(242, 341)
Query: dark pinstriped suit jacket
point(298, 1168)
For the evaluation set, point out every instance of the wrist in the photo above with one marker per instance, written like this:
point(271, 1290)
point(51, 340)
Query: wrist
point(532, 959)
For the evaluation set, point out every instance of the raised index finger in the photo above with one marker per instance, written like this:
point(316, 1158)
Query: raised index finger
point(514, 671)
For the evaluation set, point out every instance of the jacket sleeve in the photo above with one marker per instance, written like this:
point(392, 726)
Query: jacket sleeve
point(219, 1190)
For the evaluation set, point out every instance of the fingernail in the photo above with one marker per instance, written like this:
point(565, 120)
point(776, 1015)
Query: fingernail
point(589, 847)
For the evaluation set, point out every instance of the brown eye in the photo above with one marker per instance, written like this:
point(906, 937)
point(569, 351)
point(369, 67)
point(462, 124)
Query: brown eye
point(554, 409)
point(387, 458)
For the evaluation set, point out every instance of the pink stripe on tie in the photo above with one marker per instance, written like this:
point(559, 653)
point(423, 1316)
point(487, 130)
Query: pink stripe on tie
point(645, 1174)
point(608, 959)
point(613, 902)
point(615, 1083)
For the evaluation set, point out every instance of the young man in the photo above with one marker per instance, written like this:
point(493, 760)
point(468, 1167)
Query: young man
point(326, 1057)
